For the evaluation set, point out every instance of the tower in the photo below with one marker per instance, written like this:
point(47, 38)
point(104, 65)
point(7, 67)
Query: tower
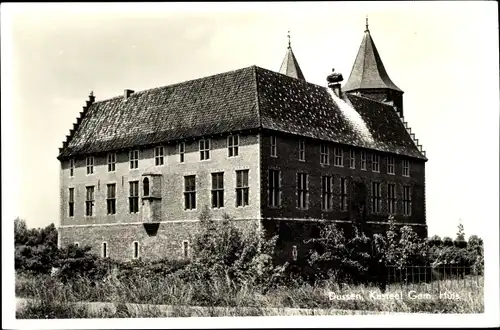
point(369, 77)
point(290, 66)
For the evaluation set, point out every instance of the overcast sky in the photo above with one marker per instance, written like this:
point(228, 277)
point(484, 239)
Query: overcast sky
point(444, 55)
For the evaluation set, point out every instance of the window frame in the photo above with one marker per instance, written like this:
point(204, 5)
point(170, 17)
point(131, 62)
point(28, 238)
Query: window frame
point(159, 156)
point(352, 159)
point(391, 165)
point(295, 252)
point(376, 197)
point(89, 202)
point(233, 145)
point(377, 157)
point(302, 187)
point(186, 249)
point(273, 145)
point(110, 200)
point(71, 167)
point(90, 162)
point(344, 195)
point(190, 195)
point(302, 150)
point(338, 157)
point(327, 192)
point(136, 250)
point(391, 198)
point(133, 197)
point(111, 161)
point(217, 192)
point(205, 151)
point(324, 154)
point(274, 191)
point(71, 202)
point(132, 161)
point(181, 149)
point(407, 201)
point(242, 188)
point(104, 250)
point(405, 169)
point(362, 160)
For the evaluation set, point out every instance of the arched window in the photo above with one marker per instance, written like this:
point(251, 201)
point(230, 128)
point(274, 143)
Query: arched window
point(146, 186)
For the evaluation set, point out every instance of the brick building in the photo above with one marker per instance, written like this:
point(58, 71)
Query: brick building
point(270, 149)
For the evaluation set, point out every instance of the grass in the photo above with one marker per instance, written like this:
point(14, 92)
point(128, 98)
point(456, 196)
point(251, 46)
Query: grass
point(54, 299)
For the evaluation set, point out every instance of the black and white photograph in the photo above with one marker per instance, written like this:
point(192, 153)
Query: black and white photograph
point(250, 164)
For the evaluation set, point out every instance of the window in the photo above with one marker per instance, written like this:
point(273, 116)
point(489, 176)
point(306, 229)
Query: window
point(339, 159)
point(71, 202)
point(89, 202)
point(362, 158)
point(274, 188)
point(111, 198)
point(71, 167)
point(133, 158)
point(375, 197)
point(406, 167)
point(375, 163)
point(133, 198)
point(90, 165)
point(242, 188)
point(217, 190)
point(274, 151)
point(190, 192)
point(294, 252)
point(390, 165)
point(302, 150)
point(111, 162)
point(159, 155)
point(302, 190)
point(145, 187)
point(104, 250)
point(204, 149)
point(324, 152)
point(391, 198)
point(136, 250)
point(406, 200)
point(326, 192)
point(182, 150)
point(185, 249)
point(343, 194)
point(352, 159)
point(233, 144)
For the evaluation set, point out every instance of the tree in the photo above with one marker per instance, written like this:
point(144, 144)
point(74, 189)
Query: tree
point(460, 233)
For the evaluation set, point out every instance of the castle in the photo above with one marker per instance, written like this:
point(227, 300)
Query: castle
point(270, 149)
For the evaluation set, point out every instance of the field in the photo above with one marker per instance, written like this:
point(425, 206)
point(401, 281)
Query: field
point(171, 297)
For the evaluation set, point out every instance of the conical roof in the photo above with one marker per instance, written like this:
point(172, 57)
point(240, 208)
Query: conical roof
point(368, 71)
point(290, 66)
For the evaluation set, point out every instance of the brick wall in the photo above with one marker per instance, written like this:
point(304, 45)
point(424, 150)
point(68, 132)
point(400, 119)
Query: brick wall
point(155, 242)
point(172, 185)
point(287, 161)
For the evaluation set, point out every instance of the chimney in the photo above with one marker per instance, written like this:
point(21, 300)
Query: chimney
point(127, 93)
point(91, 98)
point(334, 80)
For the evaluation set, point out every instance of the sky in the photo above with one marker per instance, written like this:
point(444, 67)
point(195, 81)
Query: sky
point(444, 55)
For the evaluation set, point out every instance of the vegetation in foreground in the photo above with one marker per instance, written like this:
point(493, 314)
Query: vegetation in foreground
point(233, 274)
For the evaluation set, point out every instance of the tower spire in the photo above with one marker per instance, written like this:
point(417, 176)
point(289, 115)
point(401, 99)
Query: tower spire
point(290, 66)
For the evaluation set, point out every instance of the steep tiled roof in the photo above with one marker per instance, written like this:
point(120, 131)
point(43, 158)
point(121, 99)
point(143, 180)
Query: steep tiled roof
point(290, 66)
point(238, 100)
point(368, 71)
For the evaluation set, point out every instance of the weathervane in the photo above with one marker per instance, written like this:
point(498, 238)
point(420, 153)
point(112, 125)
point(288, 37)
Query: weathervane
point(366, 23)
point(289, 42)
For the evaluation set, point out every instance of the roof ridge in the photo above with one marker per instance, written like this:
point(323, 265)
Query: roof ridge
point(176, 84)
